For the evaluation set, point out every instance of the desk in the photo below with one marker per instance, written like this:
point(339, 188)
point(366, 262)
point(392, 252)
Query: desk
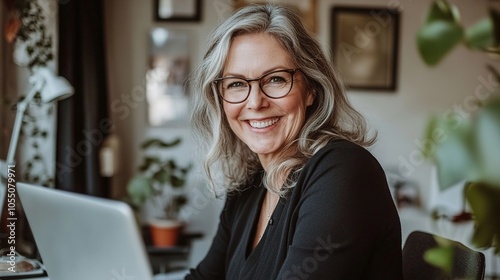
point(416, 219)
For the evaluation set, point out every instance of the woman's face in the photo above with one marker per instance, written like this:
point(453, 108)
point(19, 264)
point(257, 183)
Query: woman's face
point(266, 125)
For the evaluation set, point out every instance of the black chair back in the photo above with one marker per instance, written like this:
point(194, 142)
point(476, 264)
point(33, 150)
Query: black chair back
point(467, 263)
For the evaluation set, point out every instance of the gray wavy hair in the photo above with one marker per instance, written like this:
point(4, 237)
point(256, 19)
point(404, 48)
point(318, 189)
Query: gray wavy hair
point(331, 116)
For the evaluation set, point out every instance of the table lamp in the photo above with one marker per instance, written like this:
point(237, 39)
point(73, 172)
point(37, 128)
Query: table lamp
point(51, 88)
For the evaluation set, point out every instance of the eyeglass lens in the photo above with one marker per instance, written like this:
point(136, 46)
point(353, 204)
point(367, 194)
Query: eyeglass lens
point(275, 85)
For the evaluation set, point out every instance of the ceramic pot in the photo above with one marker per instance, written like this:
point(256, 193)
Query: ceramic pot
point(165, 233)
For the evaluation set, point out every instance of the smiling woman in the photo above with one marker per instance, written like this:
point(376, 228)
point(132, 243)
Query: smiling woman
point(305, 199)
point(265, 125)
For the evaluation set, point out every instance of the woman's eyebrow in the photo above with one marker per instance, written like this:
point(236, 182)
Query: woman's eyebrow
point(233, 74)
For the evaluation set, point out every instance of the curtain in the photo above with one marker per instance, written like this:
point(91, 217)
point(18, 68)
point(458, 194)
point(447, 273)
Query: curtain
point(82, 121)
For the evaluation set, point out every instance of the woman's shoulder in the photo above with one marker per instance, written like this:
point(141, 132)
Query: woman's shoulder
point(344, 164)
point(344, 170)
point(344, 151)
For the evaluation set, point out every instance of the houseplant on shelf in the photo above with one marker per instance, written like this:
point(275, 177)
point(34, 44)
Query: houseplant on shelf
point(465, 145)
point(160, 183)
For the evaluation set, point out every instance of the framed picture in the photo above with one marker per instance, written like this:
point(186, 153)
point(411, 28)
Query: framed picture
point(166, 77)
point(306, 8)
point(177, 10)
point(365, 43)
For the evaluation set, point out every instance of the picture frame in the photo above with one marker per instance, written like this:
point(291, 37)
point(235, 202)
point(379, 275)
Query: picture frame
point(177, 10)
point(306, 8)
point(365, 46)
point(168, 68)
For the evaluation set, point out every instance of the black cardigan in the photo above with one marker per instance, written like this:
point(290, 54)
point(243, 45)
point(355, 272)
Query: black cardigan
point(338, 222)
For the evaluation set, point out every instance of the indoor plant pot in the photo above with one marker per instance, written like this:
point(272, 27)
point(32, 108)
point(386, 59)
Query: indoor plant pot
point(159, 190)
point(165, 232)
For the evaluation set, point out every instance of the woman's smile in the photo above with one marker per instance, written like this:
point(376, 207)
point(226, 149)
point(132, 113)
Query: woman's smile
point(261, 124)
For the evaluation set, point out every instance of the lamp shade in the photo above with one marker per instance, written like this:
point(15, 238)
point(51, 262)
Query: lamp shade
point(51, 88)
point(55, 88)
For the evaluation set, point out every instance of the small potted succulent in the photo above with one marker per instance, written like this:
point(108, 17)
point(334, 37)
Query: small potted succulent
point(160, 184)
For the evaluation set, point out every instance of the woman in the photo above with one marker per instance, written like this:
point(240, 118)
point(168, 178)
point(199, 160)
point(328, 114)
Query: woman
point(305, 200)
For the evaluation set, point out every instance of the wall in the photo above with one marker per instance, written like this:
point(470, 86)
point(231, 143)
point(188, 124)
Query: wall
point(128, 23)
point(399, 117)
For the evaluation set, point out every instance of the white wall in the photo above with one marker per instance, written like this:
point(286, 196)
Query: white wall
point(399, 116)
point(128, 23)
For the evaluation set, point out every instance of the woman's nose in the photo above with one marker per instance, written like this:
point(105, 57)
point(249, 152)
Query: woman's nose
point(256, 99)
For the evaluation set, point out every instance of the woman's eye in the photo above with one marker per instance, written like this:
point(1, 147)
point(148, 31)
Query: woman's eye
point(276, 80)
point(237, 84)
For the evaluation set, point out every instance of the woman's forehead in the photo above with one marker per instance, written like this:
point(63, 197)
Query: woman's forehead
point(259, 52)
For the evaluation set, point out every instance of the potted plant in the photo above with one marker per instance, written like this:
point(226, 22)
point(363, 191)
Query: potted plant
point(465, 148)
point(160, 183)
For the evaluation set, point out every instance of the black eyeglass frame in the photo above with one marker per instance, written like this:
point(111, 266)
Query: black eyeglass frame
point(291, 71)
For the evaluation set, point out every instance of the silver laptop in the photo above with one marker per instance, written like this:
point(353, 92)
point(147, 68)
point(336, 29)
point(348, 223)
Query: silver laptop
point(82, 237)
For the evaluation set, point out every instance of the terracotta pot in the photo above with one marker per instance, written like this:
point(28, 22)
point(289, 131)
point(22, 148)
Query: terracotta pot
point(165, 233)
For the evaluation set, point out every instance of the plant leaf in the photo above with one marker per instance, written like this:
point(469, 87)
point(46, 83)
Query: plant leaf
point(480, 35)
point(436, 39)
point(454, 159)
point(443, 11)
point(484, 201)
point(441, 257)
point(139, 189)
point(148, 162)
point(163, 175)
point(428, 151)
point(177, 181)
point(159, 143)
point(487, 133)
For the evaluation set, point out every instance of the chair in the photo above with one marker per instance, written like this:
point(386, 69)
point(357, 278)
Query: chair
point(467, 263)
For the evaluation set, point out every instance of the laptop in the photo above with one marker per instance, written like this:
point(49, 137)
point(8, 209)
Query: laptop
point(82, 237)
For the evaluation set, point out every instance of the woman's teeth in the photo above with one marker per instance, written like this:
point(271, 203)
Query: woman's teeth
point(263, 124)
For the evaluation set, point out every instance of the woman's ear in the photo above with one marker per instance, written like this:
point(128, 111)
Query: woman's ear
point(311, 95)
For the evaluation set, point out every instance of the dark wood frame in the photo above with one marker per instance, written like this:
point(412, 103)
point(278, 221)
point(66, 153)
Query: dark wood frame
point(195, 18)
point(388, 21)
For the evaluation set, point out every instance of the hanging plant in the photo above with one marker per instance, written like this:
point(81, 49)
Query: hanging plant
point(25, 28)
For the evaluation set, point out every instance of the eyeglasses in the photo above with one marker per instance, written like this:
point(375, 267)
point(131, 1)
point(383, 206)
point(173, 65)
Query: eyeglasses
point(275, 84)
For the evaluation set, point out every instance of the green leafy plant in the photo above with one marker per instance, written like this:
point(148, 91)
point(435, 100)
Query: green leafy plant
point(161, 179)
point(34, 33)
point(466, 148)
point(442, 31)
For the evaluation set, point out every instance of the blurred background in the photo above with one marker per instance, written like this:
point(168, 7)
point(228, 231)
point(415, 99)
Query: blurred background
point(129, 61)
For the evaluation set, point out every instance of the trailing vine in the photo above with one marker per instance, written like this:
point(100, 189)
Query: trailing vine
point(34, 33)
point(34, 45)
